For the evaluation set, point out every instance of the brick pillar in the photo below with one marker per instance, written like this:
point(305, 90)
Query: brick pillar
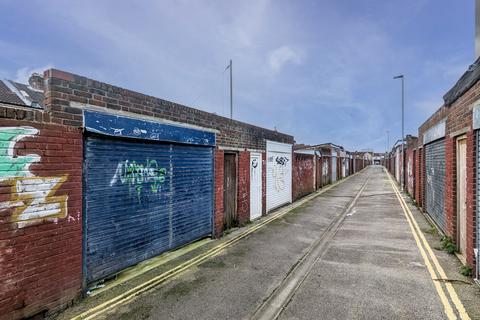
point(319, 172)
point(218, 219)
point(450, 186)
point(418, 176)
point(471, 196)
point(295, 183)
point(243, 189)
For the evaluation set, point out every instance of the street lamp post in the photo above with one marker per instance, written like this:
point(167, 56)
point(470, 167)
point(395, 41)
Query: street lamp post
point(402, 182)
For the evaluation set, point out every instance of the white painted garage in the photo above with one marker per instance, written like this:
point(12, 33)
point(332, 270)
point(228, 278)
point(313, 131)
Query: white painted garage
point(279, 174)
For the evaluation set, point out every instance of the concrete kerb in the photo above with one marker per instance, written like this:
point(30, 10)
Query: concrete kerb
point(150, 284)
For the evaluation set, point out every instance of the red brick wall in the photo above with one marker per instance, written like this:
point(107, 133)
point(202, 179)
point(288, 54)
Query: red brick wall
point(302, 175)
point(243, 189)
point(451, 186)
point(409, 170)
point(471, 197)
point(434, 119)
point(64, 88)
point(359, 164)
point(459, 122)
point(218, 193)
point(319, 177)
point(40, 214)
point(418, 176)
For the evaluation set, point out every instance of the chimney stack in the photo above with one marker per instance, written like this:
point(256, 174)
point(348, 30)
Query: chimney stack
point(36, 81)
point(477, 29)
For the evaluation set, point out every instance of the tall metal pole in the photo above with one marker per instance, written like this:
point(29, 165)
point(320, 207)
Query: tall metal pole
point(403, 134)
point(402, 180)
point(231, 90)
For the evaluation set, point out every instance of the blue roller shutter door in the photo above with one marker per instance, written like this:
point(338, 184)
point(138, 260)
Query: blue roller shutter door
point(143, 198)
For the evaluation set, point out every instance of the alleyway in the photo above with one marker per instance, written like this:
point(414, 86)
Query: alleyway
point(348, 254)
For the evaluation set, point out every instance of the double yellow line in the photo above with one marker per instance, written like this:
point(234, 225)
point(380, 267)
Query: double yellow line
point(148, 285)
point(434, 268)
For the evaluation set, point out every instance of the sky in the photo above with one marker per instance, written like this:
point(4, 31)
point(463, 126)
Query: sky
point(320, 70)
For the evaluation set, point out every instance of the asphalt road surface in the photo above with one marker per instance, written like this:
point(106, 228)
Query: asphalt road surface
point(349, 253)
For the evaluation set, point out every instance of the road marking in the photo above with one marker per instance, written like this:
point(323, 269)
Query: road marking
point(418, 234)
point(150, 284)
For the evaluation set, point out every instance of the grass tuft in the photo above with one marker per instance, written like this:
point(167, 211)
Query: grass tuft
point(448, 245)
point(433, 231)
point(467, 271)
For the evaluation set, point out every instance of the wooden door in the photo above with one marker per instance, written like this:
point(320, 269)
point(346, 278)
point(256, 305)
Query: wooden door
point(230, 218)
point(461, 196)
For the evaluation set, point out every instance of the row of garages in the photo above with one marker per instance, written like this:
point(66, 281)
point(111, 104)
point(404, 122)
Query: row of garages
point(144, 196)
point(101, 178)
point(440, 168)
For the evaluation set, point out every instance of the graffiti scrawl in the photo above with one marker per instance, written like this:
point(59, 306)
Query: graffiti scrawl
point(279, 172)
point(410, 175)
point(135, 175)
point(254, 163)
point(325, 168)
point(32, 198)
point(281, 161)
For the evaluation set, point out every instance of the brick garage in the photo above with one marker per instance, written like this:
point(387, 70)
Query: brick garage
point(67, 94)
point(433, 120)
point(41, 267)
point(457, 111)
point(459, 124)
point(41, 214)
point(303, 175)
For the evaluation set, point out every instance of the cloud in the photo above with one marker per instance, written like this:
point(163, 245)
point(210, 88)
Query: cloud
point(23, 74)
point(315, 63)
point(283, 55)
point(429, 105)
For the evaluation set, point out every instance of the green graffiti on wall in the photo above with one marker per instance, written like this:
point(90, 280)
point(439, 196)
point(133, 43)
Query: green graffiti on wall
point(137, 175)
point(11, 166)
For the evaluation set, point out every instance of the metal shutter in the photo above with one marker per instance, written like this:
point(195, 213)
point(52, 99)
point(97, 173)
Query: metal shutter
point(143, 198)
point(279, 174)
point(435, 184)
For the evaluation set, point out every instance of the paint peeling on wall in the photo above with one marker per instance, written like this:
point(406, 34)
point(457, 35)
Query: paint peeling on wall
point(32, 198)
point(303, 175)
point(410, 175)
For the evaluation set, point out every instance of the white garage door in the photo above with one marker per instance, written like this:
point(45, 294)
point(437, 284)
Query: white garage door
point(279, 174)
